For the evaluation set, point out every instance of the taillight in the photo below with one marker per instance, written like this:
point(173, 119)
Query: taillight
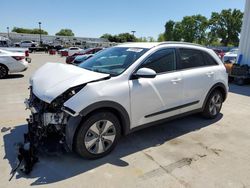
point(27, 53)
point(18, 58)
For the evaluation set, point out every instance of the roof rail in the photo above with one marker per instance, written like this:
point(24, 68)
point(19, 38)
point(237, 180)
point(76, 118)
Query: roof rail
point(176, 42)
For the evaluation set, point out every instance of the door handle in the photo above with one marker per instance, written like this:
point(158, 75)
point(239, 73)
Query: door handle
point(176, 80)
point(209, 74)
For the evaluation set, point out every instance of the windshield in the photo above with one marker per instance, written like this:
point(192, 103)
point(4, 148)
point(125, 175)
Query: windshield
point(114, 60)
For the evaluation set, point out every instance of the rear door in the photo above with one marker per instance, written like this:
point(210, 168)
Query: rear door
point(198, 77)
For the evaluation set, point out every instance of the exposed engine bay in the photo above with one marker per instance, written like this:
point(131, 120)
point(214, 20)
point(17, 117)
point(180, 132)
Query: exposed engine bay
point(51, 125)
point(46, 130)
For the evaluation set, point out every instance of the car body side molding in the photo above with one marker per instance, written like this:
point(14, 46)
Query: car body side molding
point(172, 109)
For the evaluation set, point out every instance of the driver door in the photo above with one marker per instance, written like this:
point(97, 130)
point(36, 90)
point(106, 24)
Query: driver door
point(156, 98)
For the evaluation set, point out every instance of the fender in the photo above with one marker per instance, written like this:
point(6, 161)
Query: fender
point(218, 85)
point(74, 122)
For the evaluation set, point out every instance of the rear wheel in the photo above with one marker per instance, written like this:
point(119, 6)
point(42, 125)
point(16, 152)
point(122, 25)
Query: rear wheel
point(3, 71)
point(213, 105)
point(98, 135)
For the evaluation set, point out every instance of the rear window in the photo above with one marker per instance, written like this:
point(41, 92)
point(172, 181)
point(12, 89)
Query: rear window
point(209, 60)
point(190, 58)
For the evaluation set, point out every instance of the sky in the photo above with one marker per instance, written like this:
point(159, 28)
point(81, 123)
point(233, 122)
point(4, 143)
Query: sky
point(92, 18)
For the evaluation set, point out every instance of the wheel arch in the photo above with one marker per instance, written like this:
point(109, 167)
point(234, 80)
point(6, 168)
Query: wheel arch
point(114, 107)
point(218, 86)
point(5, 66)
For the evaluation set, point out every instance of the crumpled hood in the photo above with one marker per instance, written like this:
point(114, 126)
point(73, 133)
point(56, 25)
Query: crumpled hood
point(52, 79)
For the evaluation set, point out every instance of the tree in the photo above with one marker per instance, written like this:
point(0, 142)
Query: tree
point(29, 31)
point(177, 33)
point(173, 32)
point(126, 37)
point(226, 25)
point(120, 38)
point(65, 32)
point(169, 30)
point(194, 28)
point(161, 37)
point(107, 36)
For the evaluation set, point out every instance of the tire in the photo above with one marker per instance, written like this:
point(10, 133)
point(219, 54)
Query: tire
point(213, 105)
point(97, 136)
point(3, 71)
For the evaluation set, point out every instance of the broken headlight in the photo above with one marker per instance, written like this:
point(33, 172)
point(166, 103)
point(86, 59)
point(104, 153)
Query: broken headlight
point(58, 102)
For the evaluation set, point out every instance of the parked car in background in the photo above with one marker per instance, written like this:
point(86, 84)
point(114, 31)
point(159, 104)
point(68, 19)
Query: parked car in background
point(27, 44)
point(231, 56)
point(74, 50)
point(63, 52)
point(81, 58)
point(219, 52)
point(18, 49)
point(89, 119)
point(71, 58)
point(11, 62)
point(233, 51)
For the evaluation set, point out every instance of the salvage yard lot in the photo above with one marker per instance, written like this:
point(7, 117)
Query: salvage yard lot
point(189, 152)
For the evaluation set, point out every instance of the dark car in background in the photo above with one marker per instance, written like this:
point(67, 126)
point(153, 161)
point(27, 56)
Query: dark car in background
point(71, 58)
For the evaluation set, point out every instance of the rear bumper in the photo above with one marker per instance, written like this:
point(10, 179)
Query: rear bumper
point(19, 66)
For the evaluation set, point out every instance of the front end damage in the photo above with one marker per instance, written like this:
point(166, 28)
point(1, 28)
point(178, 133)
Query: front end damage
point(46, 130)
point(51, 126)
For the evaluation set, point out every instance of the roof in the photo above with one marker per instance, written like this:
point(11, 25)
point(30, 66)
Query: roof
point(2, 38)
point(139, 44)
point(153, 44)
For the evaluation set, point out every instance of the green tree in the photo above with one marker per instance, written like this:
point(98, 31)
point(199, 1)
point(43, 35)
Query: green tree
point(194, 28)
point(120, 38)
point(109, 37)
point(65, 32)
point(169, 30)
point(226, 25)
point(173, 32)
point(126, 37)
point(161, 37)
point(29, 31)
point(177, 33)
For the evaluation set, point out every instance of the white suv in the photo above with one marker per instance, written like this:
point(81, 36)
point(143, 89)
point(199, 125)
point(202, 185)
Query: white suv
point(123, 89)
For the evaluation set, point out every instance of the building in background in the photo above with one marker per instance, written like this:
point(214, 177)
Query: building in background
point(58, 40)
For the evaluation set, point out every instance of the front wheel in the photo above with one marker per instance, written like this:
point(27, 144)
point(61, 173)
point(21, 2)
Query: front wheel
point(97, 135)
point(213, 105)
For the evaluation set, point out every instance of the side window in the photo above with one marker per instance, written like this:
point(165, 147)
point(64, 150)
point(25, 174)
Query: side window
point(209, 60)
point(161, 61)
point(190, 58)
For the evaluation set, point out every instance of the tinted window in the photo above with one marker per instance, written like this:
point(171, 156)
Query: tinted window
point(191, 58)
point(209, 60)
point(161, 61)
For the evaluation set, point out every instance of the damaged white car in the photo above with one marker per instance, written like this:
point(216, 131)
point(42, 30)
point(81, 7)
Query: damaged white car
point(122, 89)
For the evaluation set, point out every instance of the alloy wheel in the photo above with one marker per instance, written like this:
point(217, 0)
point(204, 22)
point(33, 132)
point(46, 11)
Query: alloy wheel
point(215, 104)
point(100, 137)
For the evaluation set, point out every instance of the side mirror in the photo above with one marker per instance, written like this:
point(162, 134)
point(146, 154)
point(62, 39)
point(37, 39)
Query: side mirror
point(144, 73)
